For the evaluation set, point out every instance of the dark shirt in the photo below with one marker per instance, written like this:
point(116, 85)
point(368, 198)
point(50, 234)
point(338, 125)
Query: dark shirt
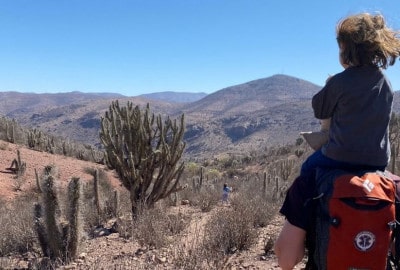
point(359, 101)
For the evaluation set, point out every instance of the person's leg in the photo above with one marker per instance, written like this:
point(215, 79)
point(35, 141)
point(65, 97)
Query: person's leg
point(319, 160)
point(289, 247)
point(311, 163)
point(225, 197)
point(297, 208)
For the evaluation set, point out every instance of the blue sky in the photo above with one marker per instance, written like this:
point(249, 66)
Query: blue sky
point(144, 46)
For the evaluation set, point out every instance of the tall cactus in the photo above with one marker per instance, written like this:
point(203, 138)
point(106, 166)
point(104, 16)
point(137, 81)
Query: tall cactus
point(145, 150)
point(10, 131)
point(74, 220)
point(96, 194)
point(59, 240)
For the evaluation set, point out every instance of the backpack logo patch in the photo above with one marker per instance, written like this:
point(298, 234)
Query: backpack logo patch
point(364, 241)
point(368, 185)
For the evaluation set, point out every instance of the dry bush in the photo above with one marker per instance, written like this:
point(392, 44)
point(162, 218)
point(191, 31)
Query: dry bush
point(198, 258)
point(4, 146)
point(206, 198)
point(229, 231)
point(17, 235)
point(251, 200)
point(109, 200)
point(259, 210)
point(153, 227)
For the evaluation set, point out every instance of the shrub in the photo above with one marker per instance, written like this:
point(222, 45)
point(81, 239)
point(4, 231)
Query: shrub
point(154, 226)
point(198, 258)
point(259, 210)
point(206, 199)
point(16, 221)
point(229, 231)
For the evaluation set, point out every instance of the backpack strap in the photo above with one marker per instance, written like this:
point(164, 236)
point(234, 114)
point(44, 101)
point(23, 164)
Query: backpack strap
point(394, 259)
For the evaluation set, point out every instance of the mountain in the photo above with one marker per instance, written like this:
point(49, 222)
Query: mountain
point(252, 115)
point(255, 95)
point(18, 105)
point(245, 117)
point(169, 96)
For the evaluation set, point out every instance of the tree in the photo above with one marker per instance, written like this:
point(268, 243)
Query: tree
point(145, 151)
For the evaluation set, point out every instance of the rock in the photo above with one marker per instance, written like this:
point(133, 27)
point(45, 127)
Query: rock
point(161, 259)
point(82, 256)
point(100, 231)
point(185, 202)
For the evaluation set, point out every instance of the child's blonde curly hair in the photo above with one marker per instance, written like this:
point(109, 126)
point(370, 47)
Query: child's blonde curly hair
point(364, 39)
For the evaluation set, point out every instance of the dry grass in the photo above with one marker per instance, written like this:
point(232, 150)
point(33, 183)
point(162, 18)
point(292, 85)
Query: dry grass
point(18, 235)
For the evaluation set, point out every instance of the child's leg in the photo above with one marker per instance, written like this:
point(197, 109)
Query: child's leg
point(317, 159)
point(311, 163)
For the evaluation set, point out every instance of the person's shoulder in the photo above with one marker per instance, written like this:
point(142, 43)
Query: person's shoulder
point(335, 82)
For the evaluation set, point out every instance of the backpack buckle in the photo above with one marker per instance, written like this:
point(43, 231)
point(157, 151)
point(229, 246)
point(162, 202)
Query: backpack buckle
point(392, 225)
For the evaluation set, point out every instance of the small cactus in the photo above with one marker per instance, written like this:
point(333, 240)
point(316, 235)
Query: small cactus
point(17, 165)
point(58, 239)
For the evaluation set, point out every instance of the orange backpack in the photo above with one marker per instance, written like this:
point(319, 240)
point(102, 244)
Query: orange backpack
point(355, 216)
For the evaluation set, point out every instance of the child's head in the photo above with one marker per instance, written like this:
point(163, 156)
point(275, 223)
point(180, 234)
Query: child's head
point(364, 39)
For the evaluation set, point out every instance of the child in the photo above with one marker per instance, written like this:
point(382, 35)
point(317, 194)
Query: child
point(358, 100)
point(225, 193)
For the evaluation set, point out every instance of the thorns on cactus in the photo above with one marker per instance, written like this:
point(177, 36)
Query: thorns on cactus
point(74, 225)
point(59, 240)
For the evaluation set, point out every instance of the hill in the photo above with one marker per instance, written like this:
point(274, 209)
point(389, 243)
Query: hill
point(169, 96)
point(253, 115)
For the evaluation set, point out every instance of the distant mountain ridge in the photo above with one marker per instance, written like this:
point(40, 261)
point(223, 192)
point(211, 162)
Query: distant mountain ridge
point(256, 95)
point(180, 97)
point(252, 115)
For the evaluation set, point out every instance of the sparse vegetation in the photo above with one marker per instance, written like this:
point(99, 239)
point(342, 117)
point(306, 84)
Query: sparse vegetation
point(228, 230)
point(18, 233)
point(195, 232)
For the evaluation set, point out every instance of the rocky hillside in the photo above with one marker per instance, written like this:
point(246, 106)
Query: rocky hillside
point(244, 117)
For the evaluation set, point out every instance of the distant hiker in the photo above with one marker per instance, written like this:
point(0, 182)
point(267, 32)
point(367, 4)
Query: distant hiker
point(225, 193)
point(358, 100)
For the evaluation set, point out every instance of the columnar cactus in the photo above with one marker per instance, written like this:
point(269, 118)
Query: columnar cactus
point(74, 219)
point(35, 138)
point(18, 166)
point(10, 131)
point(96, 194)
point(59, 239)
point(144, 150)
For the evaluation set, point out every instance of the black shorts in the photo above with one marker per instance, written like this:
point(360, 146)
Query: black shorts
point(298, 206)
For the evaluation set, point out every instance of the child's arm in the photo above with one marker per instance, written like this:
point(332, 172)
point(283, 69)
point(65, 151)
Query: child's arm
point(325, 124)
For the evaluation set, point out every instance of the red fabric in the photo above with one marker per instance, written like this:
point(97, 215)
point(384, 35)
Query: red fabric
point(357, 228)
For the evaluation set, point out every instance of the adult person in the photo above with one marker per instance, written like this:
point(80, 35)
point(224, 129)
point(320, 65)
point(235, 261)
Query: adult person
point(358, 100)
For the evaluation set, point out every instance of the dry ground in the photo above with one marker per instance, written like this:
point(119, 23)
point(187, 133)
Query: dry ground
point(112, 251)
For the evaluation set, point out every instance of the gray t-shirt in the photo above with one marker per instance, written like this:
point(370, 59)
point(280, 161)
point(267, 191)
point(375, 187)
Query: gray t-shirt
point(359, 101)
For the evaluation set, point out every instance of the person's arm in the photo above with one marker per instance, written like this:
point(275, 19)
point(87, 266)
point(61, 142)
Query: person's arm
point(324, 102)
point(290, 245)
